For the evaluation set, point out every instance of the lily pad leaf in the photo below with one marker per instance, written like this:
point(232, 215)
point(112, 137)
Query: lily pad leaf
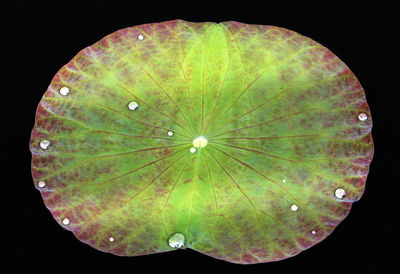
point(247, 143)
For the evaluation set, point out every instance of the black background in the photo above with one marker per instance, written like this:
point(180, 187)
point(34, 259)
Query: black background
point(44, 37)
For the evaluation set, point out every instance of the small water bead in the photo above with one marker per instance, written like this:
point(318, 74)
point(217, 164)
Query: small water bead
point(340, 193)
point(177, 240)
point(313, 232)
point(294, 207)
point(192, 150)
point(64, 91)
point(111, 239)
point(65, 221)
point(362, 116)
point(140, 37)
point(170, 133)
point(41, 184)
point(133, 105)
point(44, 144)
point(283, 181)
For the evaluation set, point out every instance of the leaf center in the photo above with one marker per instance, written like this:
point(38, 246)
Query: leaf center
point(200, 142)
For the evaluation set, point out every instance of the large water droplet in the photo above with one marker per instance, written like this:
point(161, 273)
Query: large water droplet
point(362, 116)
point(133, 105)
point(177, 240)
point(294, 207)
point(44, 144)
point(340, 193)
point(64, 91)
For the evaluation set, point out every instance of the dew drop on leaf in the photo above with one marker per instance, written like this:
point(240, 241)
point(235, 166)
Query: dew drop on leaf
point(44, 144)
point(340, 193)
point(64, 91)
point(177, 240)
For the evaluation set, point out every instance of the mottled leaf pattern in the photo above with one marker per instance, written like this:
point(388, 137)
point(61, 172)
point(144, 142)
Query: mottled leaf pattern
point(279, 112)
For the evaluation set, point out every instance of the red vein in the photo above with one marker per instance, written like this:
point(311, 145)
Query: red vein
point(258, 172)
point(202, 96)
point(144, 123)
point(279, 118)
point(215, 196)
point(141, 167)
point(154, 179)
point(188, 92)
point(269, 137)
point(171, 99)
point(218, 96)
point(190, 217)
point(175, 183)
point(251, 110)
point(156, 110)
point(230, 225)
point(136, 136)
point(256, 151)
point(134, 151)
point(265, 122)
point(243, 193)
point(212, 183)
point(170, 193)
point(240, 95)
point(270, 216)
point(269, 179)
point(234, 181)
point(271, 155)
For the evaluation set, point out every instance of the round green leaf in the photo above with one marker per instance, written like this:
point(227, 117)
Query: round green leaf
point(247, 143)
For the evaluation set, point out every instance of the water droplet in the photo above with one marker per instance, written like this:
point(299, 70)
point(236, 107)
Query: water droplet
point(170, 133)
point(362, 116)
point(177, 240)
point(340, 193)
point(294, 208)
point(133, 105)
point(140, 37)
point(192, 150)
point(41, 184)
point(313, 232)
point(65, 221)
point(64, 91)
point(283, 181)
point(111, 239)
point(44, 144)
point(200, 142)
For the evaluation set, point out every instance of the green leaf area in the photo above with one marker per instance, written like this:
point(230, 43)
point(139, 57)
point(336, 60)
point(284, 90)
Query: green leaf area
point(247, 143)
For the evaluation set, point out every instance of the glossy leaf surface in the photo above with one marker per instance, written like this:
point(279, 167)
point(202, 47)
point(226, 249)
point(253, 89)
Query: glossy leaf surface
point(280, 116)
